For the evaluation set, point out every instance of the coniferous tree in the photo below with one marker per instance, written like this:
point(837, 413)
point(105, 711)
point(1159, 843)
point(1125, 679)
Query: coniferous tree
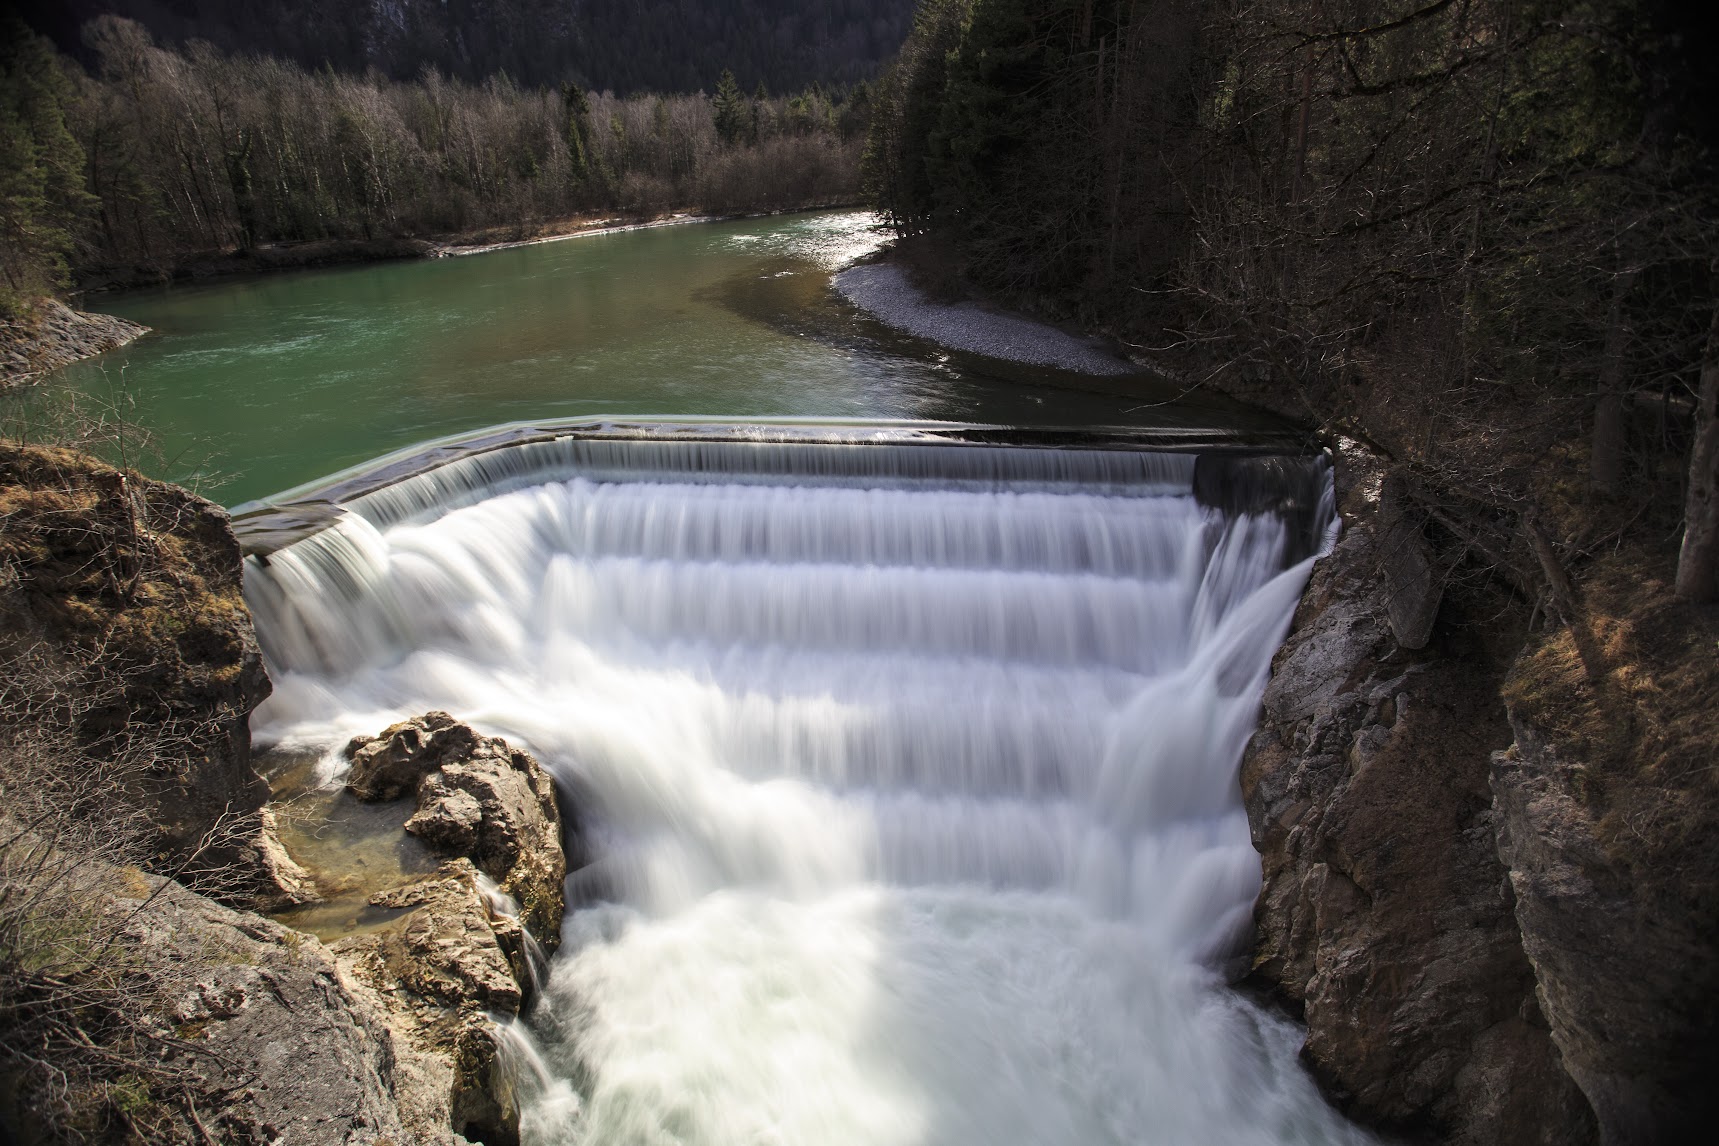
point(730, 109)
point(578, 108)
point(42, 196)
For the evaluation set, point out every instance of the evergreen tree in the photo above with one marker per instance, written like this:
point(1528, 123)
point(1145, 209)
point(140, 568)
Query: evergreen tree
point(578, 109)
point(42, 196)
point(730, 110)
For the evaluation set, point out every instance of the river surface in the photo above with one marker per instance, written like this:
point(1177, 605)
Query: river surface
point(909, 769)
point(253, 386)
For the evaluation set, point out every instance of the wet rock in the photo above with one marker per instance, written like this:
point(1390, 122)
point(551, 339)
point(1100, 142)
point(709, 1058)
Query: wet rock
point(477, 798)
point(274, 1044)
point(449, 820)
point(1385, 916)
point(440, 975)
point(389, 766)
point(286, 884)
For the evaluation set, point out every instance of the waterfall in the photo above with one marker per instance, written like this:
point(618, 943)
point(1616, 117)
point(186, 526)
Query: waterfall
point(910, 771)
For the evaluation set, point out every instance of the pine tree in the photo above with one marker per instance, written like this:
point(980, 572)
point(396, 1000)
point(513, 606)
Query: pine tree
point(578, 109)
point(42, 196)
point(730, 109)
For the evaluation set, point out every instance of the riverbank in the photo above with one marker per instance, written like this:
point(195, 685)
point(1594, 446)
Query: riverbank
point(51, 334)
point(267, 257)
point(888, 293)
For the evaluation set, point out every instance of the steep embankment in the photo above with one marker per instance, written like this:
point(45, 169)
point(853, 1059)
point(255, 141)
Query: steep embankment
point(1490, 880)
point(52, 334)
point(1385, 916)
point(136, 1006)
point(123, 628)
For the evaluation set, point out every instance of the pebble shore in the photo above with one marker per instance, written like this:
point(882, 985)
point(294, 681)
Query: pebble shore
point(53, 335)
point(885, 292)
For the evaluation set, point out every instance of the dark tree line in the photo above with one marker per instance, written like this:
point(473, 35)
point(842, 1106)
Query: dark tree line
point(1481, 232)
point(626, 46)
point(161, 153)
point(42, 196)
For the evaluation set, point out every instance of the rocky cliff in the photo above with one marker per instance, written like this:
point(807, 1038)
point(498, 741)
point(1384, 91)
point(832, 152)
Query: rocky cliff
point(1485, 946)
point(123, 627)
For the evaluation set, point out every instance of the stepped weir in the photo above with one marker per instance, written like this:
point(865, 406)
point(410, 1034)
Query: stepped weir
point(907, 752)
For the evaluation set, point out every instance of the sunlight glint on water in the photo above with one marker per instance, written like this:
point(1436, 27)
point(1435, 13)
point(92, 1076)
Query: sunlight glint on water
point(916, 806)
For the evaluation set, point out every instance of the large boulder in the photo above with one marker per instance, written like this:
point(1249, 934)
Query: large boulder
point(1385, 917)
point(124, 633)
point(478, 798)
point(270, 1042)
point(466, 944)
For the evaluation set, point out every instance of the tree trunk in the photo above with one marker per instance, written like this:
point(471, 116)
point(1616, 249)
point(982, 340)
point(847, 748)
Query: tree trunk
point(1564, 600)
point(1698, 563)
point(1610, 441)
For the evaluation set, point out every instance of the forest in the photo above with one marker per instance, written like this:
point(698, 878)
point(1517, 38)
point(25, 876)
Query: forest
point(162, 153)
point(625, 46)
point(1479, 234)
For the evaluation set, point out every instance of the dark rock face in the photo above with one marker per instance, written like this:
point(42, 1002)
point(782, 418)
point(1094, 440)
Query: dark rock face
point(1385, 914)
point(281, 1050)
point(127, 592)
point(1620, 975)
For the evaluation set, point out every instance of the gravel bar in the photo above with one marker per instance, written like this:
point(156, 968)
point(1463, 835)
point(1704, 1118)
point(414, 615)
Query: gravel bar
point(884, 291)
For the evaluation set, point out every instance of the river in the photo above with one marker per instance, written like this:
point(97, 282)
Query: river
point(253, 386)
point(908, 761)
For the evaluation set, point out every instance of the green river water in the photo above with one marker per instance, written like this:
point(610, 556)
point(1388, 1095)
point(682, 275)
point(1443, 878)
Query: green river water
point(251, 386)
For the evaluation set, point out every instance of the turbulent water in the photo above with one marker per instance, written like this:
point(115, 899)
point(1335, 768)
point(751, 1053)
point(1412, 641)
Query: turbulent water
point(913, 786)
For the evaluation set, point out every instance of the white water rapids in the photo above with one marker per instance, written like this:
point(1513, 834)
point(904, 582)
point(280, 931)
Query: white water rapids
point(914, 802)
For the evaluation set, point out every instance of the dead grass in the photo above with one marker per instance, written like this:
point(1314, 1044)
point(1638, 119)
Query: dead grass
point(1646, 733)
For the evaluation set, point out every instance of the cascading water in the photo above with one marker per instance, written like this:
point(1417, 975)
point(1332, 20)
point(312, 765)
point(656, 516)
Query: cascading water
point(912, 779)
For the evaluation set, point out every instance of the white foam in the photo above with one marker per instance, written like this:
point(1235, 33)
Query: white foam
point(918, 802)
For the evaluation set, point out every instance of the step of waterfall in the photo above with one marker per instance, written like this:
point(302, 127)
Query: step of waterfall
point(908, 762)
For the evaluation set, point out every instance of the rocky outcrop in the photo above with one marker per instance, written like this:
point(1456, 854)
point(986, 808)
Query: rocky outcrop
point(1623, 953)
point(52, 334)
point(265, 1038)
point(122, 619)
point(467, 943)
point(441, 977)
point(477, 798)
point(1385, 917)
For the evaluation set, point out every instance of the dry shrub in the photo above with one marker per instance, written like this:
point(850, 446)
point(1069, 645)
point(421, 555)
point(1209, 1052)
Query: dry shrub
point(85, 1050)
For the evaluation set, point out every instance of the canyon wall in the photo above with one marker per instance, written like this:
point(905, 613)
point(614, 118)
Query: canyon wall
point(1476, 959)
